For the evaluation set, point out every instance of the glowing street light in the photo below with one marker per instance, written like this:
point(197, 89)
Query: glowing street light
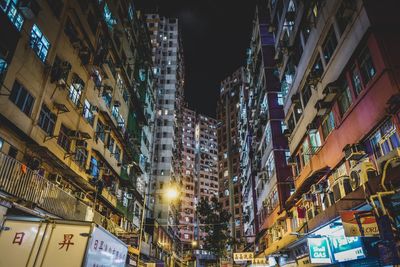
point(171, 193)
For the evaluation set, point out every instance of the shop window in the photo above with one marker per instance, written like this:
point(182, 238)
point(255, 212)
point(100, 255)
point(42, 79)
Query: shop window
point(39, 43)
point(385, 139)
point(356, 80)
point(63, 139)
point(366, 66)
point(344, 99)
point(329, 45)
point(47, 120)
point(88, 112)
point(75, 89)
point(328, 124)
point(9, 7)
point(21, 97)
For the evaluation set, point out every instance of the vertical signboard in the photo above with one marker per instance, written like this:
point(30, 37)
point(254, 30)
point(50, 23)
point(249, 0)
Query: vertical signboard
point(19, 240)
point(319, 250)
point(65, 244)
point(105, 250)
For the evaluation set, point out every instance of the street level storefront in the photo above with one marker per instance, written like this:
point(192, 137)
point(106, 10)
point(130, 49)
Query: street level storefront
point(329, 246)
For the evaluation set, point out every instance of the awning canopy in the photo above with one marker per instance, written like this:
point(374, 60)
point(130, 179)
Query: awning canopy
point(304, 187)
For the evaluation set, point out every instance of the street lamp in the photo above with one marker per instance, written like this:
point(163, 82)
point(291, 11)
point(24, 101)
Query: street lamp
point(171, 193)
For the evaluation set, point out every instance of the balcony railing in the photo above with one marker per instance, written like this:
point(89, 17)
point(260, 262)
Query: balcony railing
point(17, 180)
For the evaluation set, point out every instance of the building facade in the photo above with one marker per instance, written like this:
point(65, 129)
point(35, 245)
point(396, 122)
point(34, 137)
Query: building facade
point(228, 149)
point(76, 108)
point(200, 176)
point(336, 63)
point(166, 169)
point(266, 177)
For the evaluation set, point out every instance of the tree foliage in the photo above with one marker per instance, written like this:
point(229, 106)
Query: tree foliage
point(214, 221)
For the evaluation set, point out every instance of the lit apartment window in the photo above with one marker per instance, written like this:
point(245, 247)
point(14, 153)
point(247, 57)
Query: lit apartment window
point(47, 120)
point(22, 98)
point(305, 152)
point(88, 112)
point(117, 153)
point(344, 99)
point(268, 134)
point(110, 145)
point(366, 66)
point(10, 8)
point(356, 80)
point(329, 45)
point(280, 99)
point(328, 124)
point(39, 43)
point(315, 140)
point(81, 156)
point(385, 139)
point(100, 131)
point(75, 89)
point(108, 16)
point(94, 167)
point(63, 138)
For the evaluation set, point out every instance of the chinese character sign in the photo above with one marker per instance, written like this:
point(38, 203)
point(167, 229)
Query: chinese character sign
point(17, 240)
point(105, 249)
point(243, 256)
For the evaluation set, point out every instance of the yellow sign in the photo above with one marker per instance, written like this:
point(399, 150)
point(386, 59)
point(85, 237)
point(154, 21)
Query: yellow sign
point(243, 256)
point(259, 261)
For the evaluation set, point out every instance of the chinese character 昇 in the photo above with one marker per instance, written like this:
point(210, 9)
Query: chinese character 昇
point(67, 241)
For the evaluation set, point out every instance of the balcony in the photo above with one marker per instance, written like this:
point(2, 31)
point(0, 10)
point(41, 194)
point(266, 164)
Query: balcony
point(17, 180)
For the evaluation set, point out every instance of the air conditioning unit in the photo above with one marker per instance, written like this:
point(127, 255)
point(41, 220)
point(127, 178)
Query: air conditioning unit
point(311, 212)
point(332, 89)
point(94, 109)
point(316, 188)
point(295, 98)
point(129, 196)
point(354, 152)
point(287, 132)
point(341, 187)
point(322, 107)
point(306, 198)
point(81, 144)
point(381, 161)
point(117, 103)
point(291, 161)
point(56, 178)
point(361, 174)
point(80, 195)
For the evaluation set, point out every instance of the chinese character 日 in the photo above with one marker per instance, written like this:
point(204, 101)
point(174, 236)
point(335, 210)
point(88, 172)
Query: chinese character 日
point(18, 238)
point(67, 241)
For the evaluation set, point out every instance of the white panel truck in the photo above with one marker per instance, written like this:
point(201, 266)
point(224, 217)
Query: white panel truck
point(31, 242)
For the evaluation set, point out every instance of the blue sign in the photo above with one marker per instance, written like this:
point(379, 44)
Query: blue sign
point(319, 250)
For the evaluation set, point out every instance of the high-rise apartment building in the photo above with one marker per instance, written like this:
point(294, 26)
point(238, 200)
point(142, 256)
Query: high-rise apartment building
point(266, 177)
point(228, 149)
point(199, 176)
point(169, 72)
point(76, 105)
point(337, 64)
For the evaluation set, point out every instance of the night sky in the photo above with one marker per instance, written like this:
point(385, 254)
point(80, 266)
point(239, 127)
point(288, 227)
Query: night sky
point(216, 34)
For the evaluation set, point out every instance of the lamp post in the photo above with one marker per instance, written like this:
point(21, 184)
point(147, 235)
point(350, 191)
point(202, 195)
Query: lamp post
point(171, 193)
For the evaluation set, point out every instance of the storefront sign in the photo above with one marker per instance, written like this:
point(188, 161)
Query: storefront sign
point(259, 261)
point(319, 250)
point(346, 248)
point(356, 223)
point(243, 256)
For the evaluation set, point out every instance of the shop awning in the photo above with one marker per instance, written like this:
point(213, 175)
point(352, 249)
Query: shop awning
point(304, 187)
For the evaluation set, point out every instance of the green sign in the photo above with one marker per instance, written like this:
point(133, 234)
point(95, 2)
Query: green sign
point(319, 250)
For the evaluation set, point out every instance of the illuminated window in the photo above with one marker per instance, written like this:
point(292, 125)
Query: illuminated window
point(108, 17)
point(75, 89)
point(10, 8)
point(39, 43)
